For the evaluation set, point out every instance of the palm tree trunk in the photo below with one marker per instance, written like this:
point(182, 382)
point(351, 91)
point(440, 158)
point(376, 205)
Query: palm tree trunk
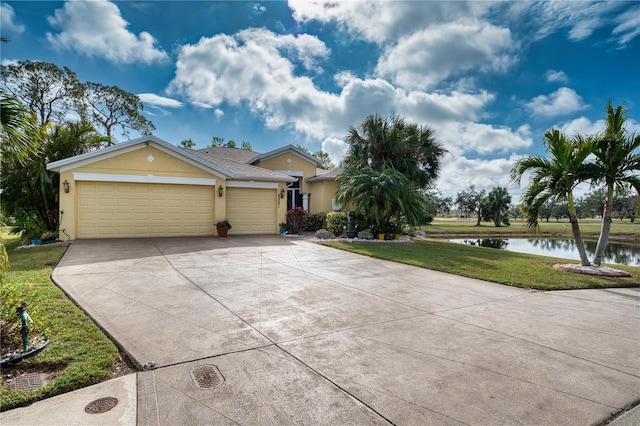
point(573, 217)
point(606, 226)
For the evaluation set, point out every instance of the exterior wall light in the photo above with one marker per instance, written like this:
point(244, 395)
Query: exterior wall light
point(282, 193)
point(65, 185)
point(220, 191)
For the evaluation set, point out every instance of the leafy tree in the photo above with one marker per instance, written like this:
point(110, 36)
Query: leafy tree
point(325, 160)
point(625, 206)
point(109, 107)
point(321, 155)
point(560, 210)
point(554, 178)
point(245, 145)
point(231, 143)
point(388, 164)
point(617, 165)
point(546, 210)
point(591, 204)
point(495, 206)
point(217, 141)
point(44, 88)
point(469, 201)
point(29, 190)
point(515, 211)
point(187, 143)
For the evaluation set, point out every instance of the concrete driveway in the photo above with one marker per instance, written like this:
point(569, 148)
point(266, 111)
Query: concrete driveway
point(269, 330)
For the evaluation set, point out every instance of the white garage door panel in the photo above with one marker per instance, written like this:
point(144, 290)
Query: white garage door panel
point(117, 209)
point(252, 211)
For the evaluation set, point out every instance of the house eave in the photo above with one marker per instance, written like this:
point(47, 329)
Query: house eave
point(132, 145)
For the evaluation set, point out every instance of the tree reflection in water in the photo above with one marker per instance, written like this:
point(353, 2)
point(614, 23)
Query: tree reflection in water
point(617, 253)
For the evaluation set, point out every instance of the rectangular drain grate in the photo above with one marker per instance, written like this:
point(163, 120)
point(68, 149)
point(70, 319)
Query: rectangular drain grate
point(29, 381)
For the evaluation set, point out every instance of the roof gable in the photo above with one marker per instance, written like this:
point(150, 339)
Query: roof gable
point(284, 149)
point(132, 145)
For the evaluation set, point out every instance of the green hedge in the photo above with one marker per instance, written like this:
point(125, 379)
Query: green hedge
point(316, 221)
point(336, 222)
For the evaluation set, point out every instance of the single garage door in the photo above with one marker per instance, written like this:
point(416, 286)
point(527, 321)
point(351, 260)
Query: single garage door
point(118, 210)
point(252, 211)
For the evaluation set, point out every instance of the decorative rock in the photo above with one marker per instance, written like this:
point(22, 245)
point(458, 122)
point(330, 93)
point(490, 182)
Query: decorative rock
point(602, 271)
point(422, 234)
point(323, 234)
point(365, 234)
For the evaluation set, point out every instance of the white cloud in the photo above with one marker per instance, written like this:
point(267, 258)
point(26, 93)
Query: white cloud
point(7, 62)
point(239, 70)
point(582, 18)
point(463, 137)
point(459, 172)
point(8, 20)
point(336, 148)
point(382, 21)
point(96, 28)
point(561, 102)
point(343, 78)
point(583, 126)
point(159, 101)
point(218, 112)
point(554, 76)
point(438, 107)
point(250, 68)
point(427, 57)
point(628, 26)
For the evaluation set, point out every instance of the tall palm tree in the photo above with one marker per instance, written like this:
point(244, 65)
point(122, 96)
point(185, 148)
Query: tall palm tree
point(617, 164)
point(554, 178)
point(411, 149)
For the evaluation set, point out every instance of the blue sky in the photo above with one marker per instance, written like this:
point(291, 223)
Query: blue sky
point(490, 77)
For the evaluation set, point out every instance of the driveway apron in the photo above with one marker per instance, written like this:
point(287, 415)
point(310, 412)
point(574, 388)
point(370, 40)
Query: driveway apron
point(258, 330)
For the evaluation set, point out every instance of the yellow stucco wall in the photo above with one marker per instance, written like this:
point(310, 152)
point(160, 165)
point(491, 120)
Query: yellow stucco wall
point(136, 163)
point(131, 163)
point(322, 193)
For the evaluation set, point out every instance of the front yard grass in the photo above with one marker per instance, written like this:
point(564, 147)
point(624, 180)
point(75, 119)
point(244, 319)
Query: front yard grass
point(515, 269)
point(79, 353)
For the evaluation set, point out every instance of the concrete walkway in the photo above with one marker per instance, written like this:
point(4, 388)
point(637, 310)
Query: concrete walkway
point(268, 330)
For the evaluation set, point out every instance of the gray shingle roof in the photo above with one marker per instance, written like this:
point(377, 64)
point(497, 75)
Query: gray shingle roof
point(235, 154)
point(240, 170)
point(322, 174)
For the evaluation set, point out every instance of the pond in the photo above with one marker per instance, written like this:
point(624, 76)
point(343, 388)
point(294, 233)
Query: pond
point(616, 253)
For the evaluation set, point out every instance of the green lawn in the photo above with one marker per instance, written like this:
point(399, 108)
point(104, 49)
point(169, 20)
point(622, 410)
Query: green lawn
point(78, 355)
point(590, 228)
point(515, 269)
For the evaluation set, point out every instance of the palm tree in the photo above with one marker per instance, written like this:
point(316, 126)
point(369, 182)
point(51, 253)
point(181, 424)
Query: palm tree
point(388, 163)
point(554, 178)
point(18, 128)
point(617, 164)
point(380, 195)
point(391, 142)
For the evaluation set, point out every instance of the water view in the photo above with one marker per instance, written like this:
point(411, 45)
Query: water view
point(616, 253)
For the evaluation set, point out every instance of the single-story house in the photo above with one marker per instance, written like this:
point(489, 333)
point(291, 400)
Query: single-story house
point(147, 187)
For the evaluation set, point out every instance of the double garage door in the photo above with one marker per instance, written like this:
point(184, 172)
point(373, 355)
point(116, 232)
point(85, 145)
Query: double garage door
point(117, 210)
point(120, 210)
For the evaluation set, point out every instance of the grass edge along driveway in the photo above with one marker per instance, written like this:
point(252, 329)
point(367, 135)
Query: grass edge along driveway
point(79, 353)
point(514, 269)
